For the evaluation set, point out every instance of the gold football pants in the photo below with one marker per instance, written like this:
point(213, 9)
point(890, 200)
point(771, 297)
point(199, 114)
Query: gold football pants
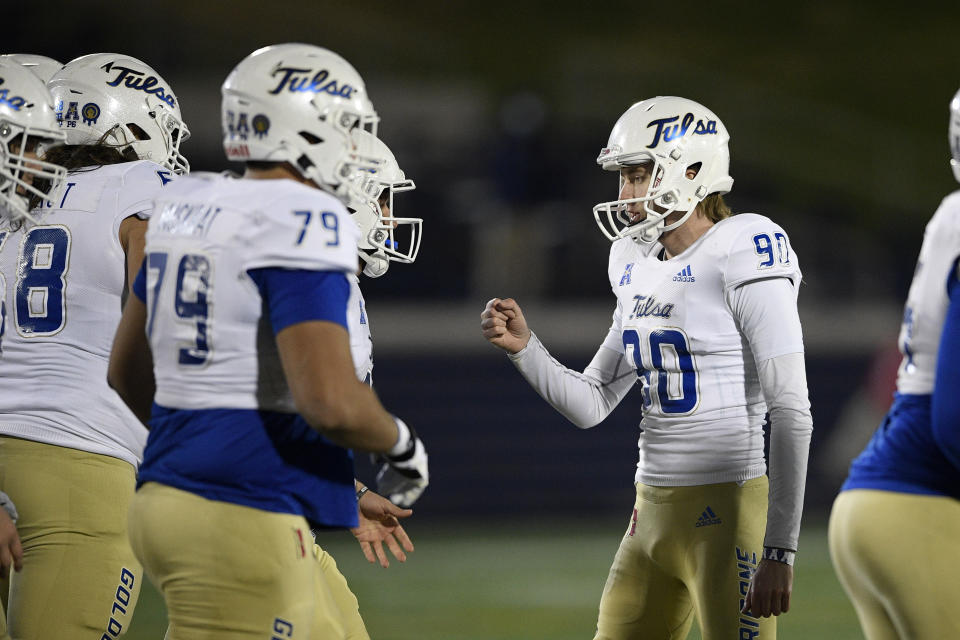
point(687, 551)
point(230, 571)
point(896, 556)
point(79, 578)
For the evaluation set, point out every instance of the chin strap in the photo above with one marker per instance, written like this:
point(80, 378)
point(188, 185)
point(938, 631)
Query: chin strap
point(375, 265)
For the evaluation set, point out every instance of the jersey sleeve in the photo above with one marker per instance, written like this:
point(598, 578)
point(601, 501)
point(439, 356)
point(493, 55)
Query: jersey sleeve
point(766, 312)
point(140, 283)
point(945, 404)
point(295, 296)
point(759, 249)
point(313, 234)
point(587, 398)
point(139, 188)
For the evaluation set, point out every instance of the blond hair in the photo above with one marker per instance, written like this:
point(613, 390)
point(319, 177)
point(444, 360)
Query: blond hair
point(714, 208)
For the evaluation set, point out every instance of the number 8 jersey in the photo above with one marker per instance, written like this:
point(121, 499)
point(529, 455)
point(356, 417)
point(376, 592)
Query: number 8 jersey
point(62, 285)
point(703, 406)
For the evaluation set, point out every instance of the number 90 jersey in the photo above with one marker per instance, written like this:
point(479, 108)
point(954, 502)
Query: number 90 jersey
point(209, 332)
point(703, 406)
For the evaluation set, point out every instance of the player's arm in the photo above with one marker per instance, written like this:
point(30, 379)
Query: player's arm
point(308, 314)
point(133, 231)
point(319, 370)
point(945, 410)
point(130, 371)
point(766, 311)
point(142, 184)
point(583, 398)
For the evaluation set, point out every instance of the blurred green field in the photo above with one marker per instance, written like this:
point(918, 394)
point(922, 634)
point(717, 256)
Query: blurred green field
point(501, 580)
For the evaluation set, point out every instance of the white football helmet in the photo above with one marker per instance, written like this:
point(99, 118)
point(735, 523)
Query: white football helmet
point(298, 103)
point(672, 134)
point(27, 124)
point(42, 66)
point(954, 133)
point(379, 233)
point(121, 101)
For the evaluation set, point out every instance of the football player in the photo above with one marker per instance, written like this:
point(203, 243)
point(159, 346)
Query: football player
point(378, 247)
point(27, 124)
point(706, 320)
point(893, 527)
point(69, 447)
point(236, 349)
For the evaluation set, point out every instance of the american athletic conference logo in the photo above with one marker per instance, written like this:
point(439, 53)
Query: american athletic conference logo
point(68, 114)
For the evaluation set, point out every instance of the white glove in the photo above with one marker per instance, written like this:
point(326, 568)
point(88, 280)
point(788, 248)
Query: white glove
point(404, 475)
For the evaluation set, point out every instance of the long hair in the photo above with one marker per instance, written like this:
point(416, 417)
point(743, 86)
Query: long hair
point(74, 157)
point(714, 208)
point(79, 156)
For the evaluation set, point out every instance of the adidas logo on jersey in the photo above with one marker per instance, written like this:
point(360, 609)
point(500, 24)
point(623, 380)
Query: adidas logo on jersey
point(707, 518)
point(685, 275)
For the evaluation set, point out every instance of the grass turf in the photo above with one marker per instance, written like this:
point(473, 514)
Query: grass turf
point(506, 581)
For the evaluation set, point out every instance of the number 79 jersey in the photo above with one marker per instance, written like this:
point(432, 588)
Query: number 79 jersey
point(207, 324)
point(703, 407)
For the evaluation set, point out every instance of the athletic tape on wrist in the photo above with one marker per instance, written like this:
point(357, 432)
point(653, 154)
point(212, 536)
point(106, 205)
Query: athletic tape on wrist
point(786, 556)
point(404, 439)
point(8, 506)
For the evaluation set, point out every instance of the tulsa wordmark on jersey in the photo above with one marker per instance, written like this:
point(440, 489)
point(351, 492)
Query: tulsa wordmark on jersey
point(674, 323)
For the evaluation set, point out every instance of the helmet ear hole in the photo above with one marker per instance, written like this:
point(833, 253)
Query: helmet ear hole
point(138, 131)
point(311, 138)
point(304, 163)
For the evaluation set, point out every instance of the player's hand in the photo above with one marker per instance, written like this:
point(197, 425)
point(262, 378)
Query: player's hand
point(503, 325)
point(403, 477)
point(770, 588)
point(379, 524)
point(11, 552)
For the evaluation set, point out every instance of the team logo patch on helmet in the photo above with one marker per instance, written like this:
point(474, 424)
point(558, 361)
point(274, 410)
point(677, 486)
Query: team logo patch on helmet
point(90, 113)
point(261, 125)
point(607, 152)
point(67, 117)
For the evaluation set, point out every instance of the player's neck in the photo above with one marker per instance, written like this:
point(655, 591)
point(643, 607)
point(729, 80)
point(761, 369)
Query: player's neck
point(280, 171)
point(679, 240)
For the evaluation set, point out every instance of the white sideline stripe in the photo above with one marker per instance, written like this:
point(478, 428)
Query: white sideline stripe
point(437, 328)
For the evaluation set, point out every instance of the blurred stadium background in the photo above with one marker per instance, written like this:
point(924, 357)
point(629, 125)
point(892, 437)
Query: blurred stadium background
point(838, 115)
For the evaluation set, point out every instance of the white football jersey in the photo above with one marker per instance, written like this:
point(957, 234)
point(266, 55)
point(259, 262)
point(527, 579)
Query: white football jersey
point(211, 341)
point(64, 280)
point(927, 301)
point(361, 342)
point(703, 404)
